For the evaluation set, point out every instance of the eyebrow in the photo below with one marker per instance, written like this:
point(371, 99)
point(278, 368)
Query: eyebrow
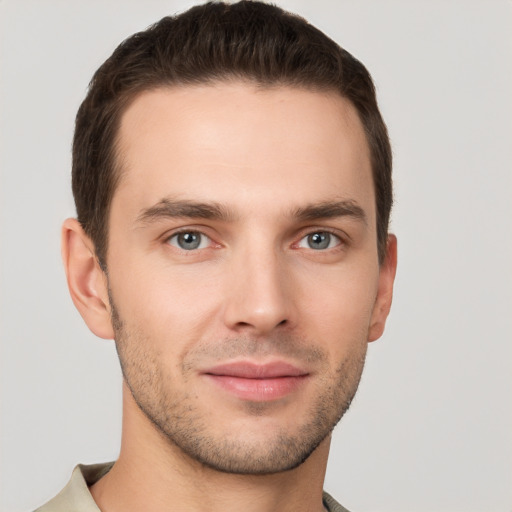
point(331, 209)
point(170, 208)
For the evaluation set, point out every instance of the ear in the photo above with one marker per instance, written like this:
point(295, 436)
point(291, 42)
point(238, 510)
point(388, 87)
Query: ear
point(87, 282)
point(385, 290)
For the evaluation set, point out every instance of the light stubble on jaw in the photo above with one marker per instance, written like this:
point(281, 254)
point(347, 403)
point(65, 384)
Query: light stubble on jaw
point(179, 419)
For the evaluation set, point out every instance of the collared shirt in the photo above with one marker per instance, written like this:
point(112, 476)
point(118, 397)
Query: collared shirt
point(76, 497)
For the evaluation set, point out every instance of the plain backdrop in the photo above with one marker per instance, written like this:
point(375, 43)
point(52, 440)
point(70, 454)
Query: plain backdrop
point(431, 426)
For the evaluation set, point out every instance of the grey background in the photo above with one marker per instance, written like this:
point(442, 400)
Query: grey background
point(431, 427)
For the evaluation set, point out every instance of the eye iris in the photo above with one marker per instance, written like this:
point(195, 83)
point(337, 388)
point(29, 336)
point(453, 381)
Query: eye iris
point(319, 240)
point(189, 241)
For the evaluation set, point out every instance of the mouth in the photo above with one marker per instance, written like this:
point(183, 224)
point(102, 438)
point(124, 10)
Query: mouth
point(257, 382)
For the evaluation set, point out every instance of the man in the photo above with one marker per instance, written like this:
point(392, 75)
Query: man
point(232, 178)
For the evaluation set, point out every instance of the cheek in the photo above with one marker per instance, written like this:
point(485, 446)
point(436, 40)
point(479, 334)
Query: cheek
point(170, 304)
point(340, 307)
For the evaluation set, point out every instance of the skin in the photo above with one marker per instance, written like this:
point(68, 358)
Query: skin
point(266, 171)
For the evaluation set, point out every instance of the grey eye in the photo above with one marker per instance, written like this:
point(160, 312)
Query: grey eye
point(319, 241)
point(189, 240)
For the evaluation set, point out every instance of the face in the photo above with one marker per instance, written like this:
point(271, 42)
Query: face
point(242, 268)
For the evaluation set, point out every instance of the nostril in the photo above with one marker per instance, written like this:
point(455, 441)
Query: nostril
point(244, 325)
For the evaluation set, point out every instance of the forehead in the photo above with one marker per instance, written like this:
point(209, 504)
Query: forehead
point(242, 145)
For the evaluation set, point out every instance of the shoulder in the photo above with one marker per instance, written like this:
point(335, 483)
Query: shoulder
point(332, 505)
point(75, 497)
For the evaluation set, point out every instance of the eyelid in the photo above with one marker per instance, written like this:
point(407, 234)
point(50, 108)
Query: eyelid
point(343, 238)
point(203, 239)
point(303, 243)
point(341, 235)
point(200, 230)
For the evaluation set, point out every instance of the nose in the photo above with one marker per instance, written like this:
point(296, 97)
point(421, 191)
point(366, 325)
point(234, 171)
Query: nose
point(259, 298)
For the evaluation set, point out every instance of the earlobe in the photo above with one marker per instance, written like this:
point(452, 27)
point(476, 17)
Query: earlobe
point(87, 282)
point(385, 291)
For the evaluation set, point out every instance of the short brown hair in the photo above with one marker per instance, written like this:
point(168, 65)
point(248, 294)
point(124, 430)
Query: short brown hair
point(248, 40)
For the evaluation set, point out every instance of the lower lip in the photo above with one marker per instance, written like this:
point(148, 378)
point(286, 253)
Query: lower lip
point(258, 390)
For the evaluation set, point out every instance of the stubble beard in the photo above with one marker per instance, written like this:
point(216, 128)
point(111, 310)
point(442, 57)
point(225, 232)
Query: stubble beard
point(186, 427)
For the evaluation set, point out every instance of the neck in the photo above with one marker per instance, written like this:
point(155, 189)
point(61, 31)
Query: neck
point(153, 474)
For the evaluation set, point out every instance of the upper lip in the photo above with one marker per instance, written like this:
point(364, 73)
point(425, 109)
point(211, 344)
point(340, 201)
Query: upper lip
point(251, 370)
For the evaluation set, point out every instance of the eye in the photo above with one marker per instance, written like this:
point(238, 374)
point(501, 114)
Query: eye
point(320, 240)
point(189, 240)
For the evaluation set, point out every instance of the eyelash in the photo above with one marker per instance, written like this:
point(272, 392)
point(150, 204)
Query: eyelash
point(176, 234)
point(342, 241)
point(330, 233)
